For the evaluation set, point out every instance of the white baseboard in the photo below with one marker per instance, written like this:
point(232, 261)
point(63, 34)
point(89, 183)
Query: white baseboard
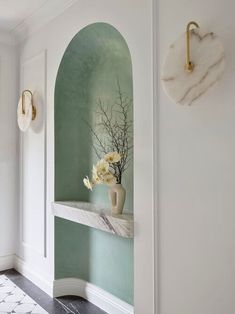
point(68, 286)
point(104, 300)
point(33, 276)
point(6, 262)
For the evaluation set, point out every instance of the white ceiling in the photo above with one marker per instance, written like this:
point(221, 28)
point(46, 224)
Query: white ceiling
point(15, 12)
point(20, 18)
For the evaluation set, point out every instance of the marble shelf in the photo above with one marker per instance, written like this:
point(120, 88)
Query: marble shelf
point(96, 217)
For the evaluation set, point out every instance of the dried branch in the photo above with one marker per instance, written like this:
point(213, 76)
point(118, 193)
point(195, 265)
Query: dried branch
point(116, 127)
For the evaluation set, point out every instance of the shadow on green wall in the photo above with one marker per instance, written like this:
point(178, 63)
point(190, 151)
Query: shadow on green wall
point(89, 69)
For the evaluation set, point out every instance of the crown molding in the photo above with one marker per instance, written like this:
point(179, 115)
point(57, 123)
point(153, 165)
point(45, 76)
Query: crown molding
point(40, 17)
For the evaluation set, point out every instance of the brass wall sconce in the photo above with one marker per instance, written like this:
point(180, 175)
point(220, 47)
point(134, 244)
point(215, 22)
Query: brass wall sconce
point(193, 65)
point(26, 112)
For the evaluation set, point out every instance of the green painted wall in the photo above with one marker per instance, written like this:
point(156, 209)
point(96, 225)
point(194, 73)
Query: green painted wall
point(93, 62)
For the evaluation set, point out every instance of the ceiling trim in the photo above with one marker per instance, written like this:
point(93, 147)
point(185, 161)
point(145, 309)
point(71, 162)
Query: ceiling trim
point(40, 17)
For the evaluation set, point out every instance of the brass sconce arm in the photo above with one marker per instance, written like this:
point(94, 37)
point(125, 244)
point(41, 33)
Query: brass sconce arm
point(189, 66)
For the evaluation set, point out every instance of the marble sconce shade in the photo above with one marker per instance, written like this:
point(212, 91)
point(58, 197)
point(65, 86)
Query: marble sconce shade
point(207, 54)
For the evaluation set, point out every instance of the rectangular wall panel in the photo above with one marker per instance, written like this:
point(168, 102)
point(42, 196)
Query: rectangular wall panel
point(33, 164)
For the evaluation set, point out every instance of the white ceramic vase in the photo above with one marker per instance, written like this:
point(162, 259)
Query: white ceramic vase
point(117, 196)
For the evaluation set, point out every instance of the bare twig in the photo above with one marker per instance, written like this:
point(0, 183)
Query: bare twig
point(116, 127)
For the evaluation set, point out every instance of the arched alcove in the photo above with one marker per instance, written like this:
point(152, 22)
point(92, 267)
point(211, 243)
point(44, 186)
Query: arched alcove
point(96, 66)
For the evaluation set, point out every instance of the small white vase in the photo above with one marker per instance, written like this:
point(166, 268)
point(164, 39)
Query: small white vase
point(117, 196)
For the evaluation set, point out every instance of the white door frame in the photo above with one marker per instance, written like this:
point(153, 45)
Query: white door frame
point(146, 222)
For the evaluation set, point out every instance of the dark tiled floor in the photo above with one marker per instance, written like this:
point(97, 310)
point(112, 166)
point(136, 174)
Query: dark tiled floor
point(62, 305)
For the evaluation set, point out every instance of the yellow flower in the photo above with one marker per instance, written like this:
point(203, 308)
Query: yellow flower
point(88, 183)
point(112, 157)
point(109, 179)
point(102, 167)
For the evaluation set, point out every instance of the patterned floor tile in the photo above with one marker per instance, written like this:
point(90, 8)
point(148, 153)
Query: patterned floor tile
point(24, 308)
point(38, 310)
point(15, 300)
point(7, 307)
point(27, 299)
point(15, 297)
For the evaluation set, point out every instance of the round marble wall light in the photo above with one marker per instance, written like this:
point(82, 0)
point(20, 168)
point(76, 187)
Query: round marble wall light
point(194, 62)
point(26, 111)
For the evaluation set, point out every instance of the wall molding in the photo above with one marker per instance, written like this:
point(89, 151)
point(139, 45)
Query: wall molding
point(6, 262)
point(43, 102)
point(155, 121)
point(27, 271)
point(104, 300)
point(40, 17)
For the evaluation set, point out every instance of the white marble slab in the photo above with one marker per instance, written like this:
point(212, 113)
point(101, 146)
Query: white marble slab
point(96, 217)
point(207, 54)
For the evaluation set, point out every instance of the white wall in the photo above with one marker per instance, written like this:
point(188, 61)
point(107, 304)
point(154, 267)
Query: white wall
point(8, 145)
point(197, 175)
point(134, 22)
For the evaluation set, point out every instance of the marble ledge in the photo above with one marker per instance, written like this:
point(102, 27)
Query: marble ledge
point(96, 217)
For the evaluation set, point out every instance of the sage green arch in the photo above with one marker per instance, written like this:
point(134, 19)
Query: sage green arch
point(95, 62)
